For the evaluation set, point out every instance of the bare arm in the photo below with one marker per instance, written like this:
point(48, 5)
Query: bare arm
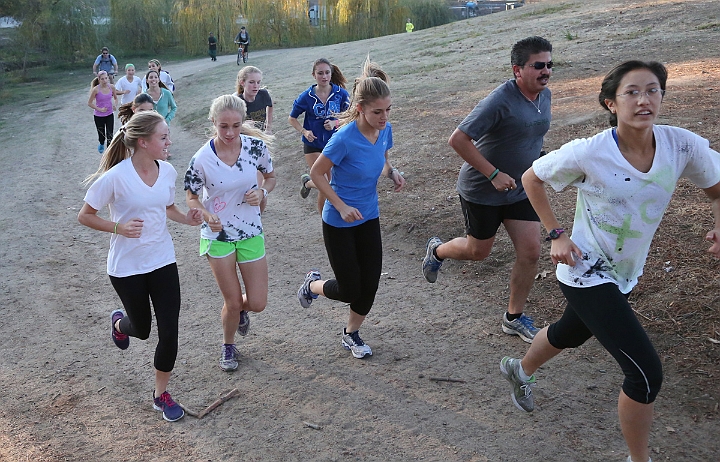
point(255, 196)
point(464, 146)
point(91, 99)
point(308, 134)
point(393, 174)
point(320, 168)
point(193, 217)
point(268, 120)
point(713, 192)
point(88, 217)
point(562, 248)
point(193, 202)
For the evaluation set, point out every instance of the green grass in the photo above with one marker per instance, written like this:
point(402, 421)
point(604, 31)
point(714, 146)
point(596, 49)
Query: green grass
point(547, 10)
point(709, 26)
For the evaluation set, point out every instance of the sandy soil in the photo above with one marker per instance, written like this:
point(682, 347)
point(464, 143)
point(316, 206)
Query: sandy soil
point(69, 394)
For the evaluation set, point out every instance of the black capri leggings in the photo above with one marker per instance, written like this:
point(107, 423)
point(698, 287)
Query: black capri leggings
point(135, 292)
point(355, 254)
point(604, 311)
point(105, 127)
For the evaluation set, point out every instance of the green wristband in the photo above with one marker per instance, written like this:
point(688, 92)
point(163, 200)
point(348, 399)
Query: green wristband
point(494, 174)
point(115, 230)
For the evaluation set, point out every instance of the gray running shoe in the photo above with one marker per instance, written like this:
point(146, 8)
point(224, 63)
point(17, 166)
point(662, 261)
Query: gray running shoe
point(521, 395)
point(522, 327)
point(355, 344)
point(305, 295)
point(304, 190)
point(229, 358)
point(244, 324)
point(431, 265)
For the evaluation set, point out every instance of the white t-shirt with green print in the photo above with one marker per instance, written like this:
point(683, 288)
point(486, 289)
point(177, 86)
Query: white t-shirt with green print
point(618, 207)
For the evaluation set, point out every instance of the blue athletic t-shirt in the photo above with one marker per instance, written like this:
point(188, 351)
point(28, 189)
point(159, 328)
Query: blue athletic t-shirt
point(357, 165)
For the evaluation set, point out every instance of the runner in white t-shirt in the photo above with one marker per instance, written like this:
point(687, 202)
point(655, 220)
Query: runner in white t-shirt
point(128, 86)
point(625, 177)
point(139, 191)
point(224, 171)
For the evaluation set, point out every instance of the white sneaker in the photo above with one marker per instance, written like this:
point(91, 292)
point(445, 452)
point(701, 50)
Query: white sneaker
point(354, 343)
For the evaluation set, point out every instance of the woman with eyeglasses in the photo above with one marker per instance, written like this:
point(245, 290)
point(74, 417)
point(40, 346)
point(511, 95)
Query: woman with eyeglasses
point(625, 177)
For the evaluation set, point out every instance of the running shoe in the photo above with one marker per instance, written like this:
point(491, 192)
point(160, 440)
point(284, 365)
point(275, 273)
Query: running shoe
point(305, 295)
point(431, 264)
point(355, 344)
point(522, 327)
point(304, 190)
point(121, 340)
point(244, 324)
point(101, 148)
point(229, 358)
point(171, 411)
point(521, 394)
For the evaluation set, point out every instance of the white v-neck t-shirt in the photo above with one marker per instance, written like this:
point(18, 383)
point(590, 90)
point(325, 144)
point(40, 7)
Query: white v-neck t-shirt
point(619, 208)
point(127, 196)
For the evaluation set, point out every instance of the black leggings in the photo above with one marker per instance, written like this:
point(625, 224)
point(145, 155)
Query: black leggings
point(355, 254)
point(604, 311)
point(135, 292)
point(105, 127)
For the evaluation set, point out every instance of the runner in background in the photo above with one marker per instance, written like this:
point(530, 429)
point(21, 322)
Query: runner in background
point(259, 105)
point(321, 103)
point(103, 99)
point(128, 86)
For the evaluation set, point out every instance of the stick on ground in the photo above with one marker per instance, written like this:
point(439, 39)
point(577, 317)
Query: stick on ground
point(231, 394)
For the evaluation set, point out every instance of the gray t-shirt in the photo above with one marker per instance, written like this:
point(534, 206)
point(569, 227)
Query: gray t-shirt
point(508, 131)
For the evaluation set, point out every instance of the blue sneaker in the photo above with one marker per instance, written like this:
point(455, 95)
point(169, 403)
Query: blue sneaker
point(170, 409)
point(305, 295)
point(431, 265)
point(522, 327)
point(121, 340)
point(244, 324)
point(101, 148)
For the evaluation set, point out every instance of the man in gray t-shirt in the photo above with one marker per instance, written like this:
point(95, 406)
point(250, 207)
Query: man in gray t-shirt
point(498, 141)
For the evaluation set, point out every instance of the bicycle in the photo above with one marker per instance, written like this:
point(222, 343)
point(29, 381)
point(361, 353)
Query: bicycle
point(242, 54)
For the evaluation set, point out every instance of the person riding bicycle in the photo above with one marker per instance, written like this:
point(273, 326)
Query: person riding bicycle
point(106, 62)
point(243, 38)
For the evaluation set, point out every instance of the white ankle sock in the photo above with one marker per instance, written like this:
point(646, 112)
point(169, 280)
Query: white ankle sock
point(523, 376)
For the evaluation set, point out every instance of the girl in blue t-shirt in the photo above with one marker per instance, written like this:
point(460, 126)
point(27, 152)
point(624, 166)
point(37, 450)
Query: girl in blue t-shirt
point(357, 155)
point(321, 103)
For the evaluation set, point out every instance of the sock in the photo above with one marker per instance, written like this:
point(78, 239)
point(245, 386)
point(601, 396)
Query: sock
point(523, 376)
point(436, 255)
point(512, 317)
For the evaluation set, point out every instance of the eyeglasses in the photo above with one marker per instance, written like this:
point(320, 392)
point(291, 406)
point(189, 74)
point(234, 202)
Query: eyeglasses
point(541, 65)
point(637, 94)
point(105, 52)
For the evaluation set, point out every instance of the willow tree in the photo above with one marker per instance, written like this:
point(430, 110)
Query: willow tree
point(278, 22)
point(369, 18)
point(140, 24)
point(195, 19)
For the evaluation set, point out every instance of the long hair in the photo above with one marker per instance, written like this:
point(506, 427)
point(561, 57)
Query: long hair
point(160, 82)
point(142, 125)
point(370, 86)
point(336, 75)
point(235, 103)
point(127, 110)
point(611, 82)
point(243, 75)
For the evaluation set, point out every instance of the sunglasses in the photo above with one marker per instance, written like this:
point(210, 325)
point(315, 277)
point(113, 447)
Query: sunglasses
point(541, 65)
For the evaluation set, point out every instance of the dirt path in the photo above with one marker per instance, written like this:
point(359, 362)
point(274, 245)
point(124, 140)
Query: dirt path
point(68, 394)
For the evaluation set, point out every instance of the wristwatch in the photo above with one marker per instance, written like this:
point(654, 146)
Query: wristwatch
point(554, 234)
